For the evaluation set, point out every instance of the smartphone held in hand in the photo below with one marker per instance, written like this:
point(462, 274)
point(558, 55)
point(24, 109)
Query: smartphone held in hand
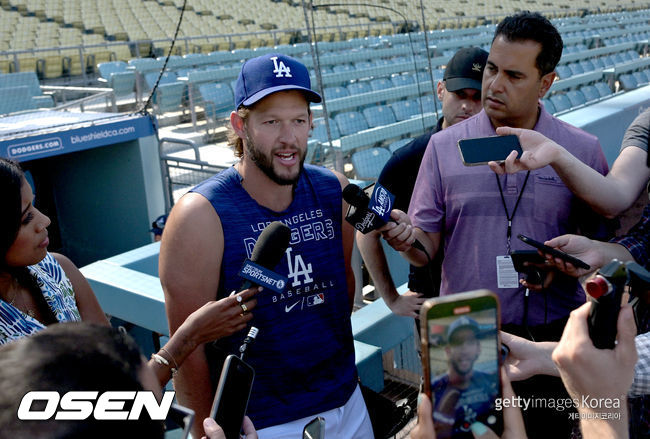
point(231, 398)
point(481, 150)
point(461, 362)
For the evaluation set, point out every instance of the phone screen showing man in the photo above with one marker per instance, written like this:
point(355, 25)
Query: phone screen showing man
point(464, 372)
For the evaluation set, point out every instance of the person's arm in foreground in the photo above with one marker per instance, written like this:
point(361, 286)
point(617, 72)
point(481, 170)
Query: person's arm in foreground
point(190, 261)
point(407, 304)
point(595, 253)
point(512, 420)
point(598, 374)
point(347, 234)
point(608, 195)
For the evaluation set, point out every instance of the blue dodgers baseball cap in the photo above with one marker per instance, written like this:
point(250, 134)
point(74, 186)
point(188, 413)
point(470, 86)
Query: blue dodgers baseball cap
point(266, 74)
point(462, 322)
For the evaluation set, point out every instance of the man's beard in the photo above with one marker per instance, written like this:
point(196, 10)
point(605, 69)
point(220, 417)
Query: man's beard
point(265, 164)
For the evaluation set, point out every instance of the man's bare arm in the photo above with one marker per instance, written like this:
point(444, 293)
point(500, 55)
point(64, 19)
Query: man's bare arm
point(190, 261)
point(374, 257)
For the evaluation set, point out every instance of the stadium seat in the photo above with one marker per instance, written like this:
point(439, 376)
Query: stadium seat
point(394, 146)
point(380, 115)
point(359, 87)
point(17, 98)
point(380, 84)
point(217, 99)
point(587, 65)
point(590, 92)
point(320, 130)
point(116, 76)
point(640, 77)
point(338, 68)
point(561, 102)
point(350, 122)
point(576, 98)
point(563, 71)
point(603, 89)
point(548, 105)
point(576, 68)
point(428, 103)
point(405, 109)
point(399, 80)
point(628, 82)
point(368, 163)
point(335, 92)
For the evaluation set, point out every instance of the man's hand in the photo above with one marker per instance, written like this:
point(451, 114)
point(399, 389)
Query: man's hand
point(600, 373)
point(527, 358)
point(407, 304)
point(538, 151)
point(214, 430)
point(399, 235)
point(580, 247)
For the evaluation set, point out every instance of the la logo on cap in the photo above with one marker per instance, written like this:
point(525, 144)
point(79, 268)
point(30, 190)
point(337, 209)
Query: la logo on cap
point(280, 70)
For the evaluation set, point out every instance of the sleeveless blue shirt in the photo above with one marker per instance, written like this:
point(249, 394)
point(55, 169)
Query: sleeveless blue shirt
point(304, 354)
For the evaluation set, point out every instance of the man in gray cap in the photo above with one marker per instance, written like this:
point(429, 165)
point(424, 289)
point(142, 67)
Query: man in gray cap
point(304, 354)
point(460, 94)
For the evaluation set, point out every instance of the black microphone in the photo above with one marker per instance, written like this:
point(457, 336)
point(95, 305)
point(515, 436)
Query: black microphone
point(269, 248)
point(364, 220)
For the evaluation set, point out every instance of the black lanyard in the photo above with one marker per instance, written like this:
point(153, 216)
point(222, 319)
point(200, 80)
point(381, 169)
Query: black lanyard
point(508, 216)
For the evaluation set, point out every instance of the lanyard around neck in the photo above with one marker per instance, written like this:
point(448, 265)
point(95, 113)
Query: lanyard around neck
point(508, 216)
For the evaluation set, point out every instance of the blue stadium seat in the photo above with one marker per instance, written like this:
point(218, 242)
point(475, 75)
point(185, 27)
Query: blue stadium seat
point(363, 65)
point(218, 99)
point(394, 146)
point(368, 163)
point(350, 122)
point(17, 98)
point(380, 84)
point(29, 80)
point(587, 65)
point(561, 102)
point(428, 104)
point(399, 80)
point(576, 98)
point(335, 92)
point(563, 71)
point(548, 105)
point(590, 92)
point(576, 68)
point(628, 82)
point(640, 77)
point(359, 87)
point(405, 109)
point(338, 68)
point(603, 89)
point(598, 63)
point(379, 115)
point(320, 130)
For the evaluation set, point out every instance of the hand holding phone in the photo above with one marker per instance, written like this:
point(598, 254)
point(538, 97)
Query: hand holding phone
point(555, 252)
point(231, 398)
point(460, 355)
point(481, 150)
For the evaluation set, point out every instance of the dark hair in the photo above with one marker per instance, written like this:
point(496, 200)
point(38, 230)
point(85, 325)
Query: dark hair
point(66, 357)
point(533, 26)
point(11, 181)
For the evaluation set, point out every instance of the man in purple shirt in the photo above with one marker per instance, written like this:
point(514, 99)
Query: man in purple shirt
point(480, 214)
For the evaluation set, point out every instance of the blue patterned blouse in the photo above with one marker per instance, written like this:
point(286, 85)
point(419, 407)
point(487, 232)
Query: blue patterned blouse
point(58, 293)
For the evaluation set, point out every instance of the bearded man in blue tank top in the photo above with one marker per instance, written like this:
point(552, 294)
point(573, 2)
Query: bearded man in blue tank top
point(304, 355)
